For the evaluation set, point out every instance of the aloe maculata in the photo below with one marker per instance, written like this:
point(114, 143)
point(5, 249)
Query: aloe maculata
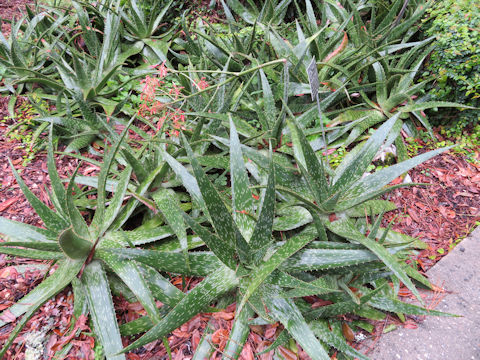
point(269, 253)
point(268, 270)
point(77, 250)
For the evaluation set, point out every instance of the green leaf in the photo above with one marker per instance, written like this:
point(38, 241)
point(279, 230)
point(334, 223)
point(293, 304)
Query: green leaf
point(375, 184)
point(317, 259)
point(166, 202)
point(99, 217)
point(364, 157)
point(221, 218)
point(242, 200)
point(117, 200)
point(345, 229)
point(102, 311)
point(76, 219)
point(220, 282)
point(73, 245)
point(371, 207)
point(284, 252)
point(320, 328)
point(58, 189)
point(270, 110)
point(130, 274)
point(301, 288)
point(32, 254)
point(238, 334)
point(161, 288)
point(285, 311)
point(139, 236)
point(128, 209)
point(381, 85)
point(49, 287)
point(49, 246)
point(51, 219)
point(397, 306)
point(262, 234)
point(432, 104)
point(25, 232)
point(188, 181)
point(201, 263)
point(224, 251)
point(205, 347)
point(291, 217)
point(308, 160)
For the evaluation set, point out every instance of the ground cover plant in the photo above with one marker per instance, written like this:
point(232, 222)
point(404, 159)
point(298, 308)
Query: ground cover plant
point(217, 169)
point(455, 58)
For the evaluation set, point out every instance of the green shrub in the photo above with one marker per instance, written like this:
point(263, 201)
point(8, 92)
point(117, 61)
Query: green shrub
point(455, 60)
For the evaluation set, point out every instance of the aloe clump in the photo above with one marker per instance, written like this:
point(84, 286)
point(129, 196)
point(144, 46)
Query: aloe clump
point(268, 271)
point(77, 250)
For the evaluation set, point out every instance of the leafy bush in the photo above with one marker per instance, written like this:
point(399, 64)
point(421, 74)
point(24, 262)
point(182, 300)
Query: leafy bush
point(455, 60)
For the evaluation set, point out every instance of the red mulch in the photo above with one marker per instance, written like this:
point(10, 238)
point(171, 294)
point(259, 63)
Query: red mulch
point(438, 214)
point(442, 212)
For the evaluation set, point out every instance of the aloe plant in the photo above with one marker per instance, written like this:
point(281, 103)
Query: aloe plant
point(268, 275)
point(76, 248)
point(141, 29)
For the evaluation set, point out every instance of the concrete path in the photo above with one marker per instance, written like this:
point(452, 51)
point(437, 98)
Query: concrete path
point(445, 338)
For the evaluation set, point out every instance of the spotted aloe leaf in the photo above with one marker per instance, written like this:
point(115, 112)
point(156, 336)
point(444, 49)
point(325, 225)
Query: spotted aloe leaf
point(19, 231)
point(188, 180)
point(102, 311)
point(262, 234)
point(257, 277)
point(132, 204)
point(285, 311)
point(347, 230)
point(77, 221)
point(224, 251)
point(73, 245)
point(116, 201)
point(32, 254)
point(200, 263)
point(270, 112)
point(51, 219)
point(364, 158)
point(321, 329)
point(242, 200)
point(375, 184)
point(218, 283)
point(58, 189)
point(168, 205)
point(131, 275)
point(311, 166)
point(300, 288)
point(238, 334)
point(99, 217)
point(222, 221)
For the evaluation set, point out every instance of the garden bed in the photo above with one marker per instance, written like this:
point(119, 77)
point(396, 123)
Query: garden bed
point(440, 214)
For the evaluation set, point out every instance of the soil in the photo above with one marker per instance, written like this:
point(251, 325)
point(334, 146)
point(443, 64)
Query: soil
point(439, 214)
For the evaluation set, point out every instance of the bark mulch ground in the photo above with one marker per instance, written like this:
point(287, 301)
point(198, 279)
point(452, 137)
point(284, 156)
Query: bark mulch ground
point(439, 214)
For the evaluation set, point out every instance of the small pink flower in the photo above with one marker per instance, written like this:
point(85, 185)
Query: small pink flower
point(162, 69)
point(201, 84)
point(176, 90)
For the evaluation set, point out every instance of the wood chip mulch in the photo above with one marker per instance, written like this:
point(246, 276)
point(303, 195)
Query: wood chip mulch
point(444, 211)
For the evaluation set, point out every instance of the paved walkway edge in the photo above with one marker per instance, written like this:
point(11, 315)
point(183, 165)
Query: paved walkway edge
point(445, 338)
